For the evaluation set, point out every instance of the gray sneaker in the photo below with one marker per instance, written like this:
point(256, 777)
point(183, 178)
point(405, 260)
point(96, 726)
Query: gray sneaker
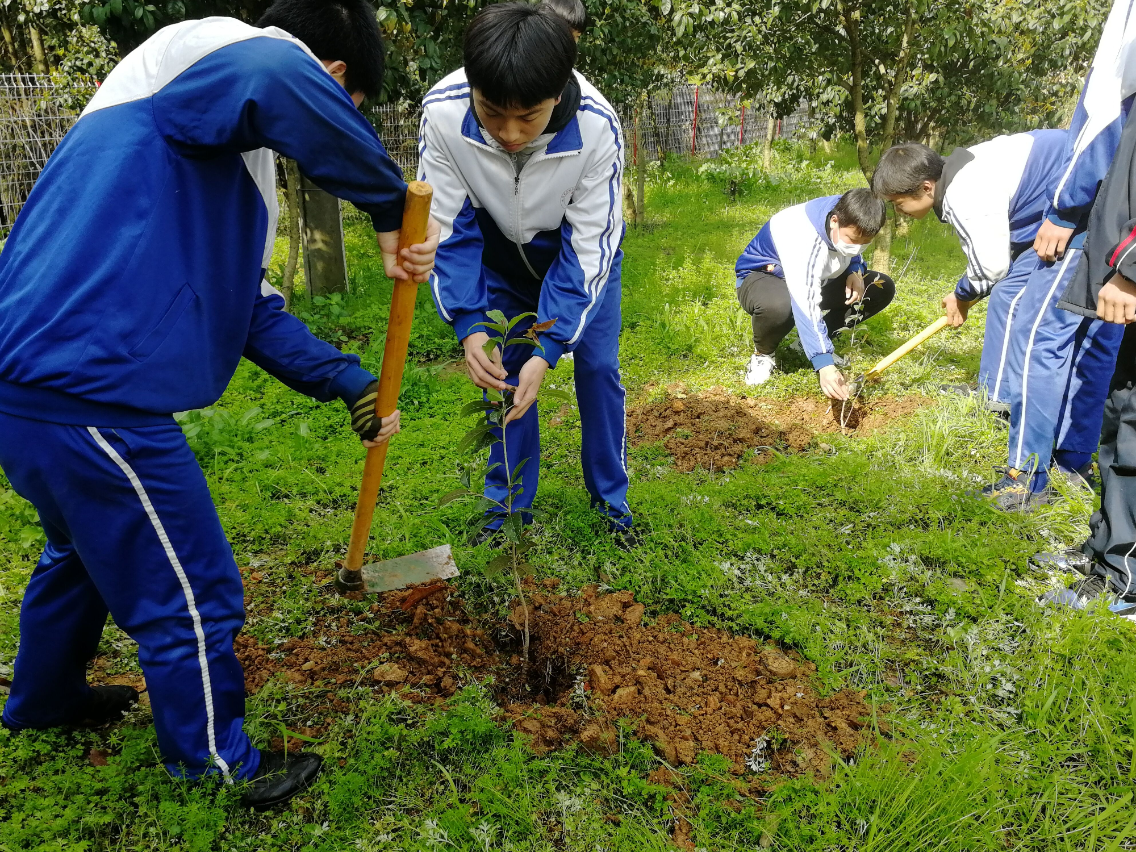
point(1071, 559)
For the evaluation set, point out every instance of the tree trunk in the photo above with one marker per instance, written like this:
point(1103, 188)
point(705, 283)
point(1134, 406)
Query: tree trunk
point(292, 193)
point(767, 146)
point(812, 130)
point(640, 175)
point(887, 134)
point(881, 251)
point(9, 41)
point(851, 15)
point(37, 50)
point(325, 258)
point(902, 226)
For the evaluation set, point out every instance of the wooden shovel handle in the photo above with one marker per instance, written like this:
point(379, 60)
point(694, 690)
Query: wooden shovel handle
point(415, 218)
point(885, 362)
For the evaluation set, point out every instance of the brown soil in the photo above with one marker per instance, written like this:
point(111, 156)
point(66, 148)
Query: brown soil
point(594, 661)
point(716, 429)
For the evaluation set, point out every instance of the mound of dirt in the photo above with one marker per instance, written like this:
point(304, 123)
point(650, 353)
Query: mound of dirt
point(716, 429)
point(684, 689)
point(593, 662)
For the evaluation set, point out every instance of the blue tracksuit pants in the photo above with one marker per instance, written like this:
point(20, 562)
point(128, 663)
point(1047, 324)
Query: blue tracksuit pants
point(599, 393)
point(998, 373)
point(131, 530)
point(1067, 362)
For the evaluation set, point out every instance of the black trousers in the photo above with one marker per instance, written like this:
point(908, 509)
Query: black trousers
point(1112, 542)
point(765, 297)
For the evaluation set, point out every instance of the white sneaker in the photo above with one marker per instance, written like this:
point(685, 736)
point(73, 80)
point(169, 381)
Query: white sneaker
point(759, 370)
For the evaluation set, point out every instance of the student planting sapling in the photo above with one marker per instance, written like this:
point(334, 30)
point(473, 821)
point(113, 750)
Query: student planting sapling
point(805, 269)
point(526, 161)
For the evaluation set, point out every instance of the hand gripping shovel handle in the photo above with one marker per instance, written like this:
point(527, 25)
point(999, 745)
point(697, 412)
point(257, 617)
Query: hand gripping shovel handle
point(885, 362)
point(415, 218)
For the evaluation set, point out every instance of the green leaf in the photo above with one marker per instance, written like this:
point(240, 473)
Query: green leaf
point(456, 494)
point(517, 469)
point(498, 318)
point(473, 436)
point(514, 527)
point(517, 319)
point(478, 406)
point(555, 394)
point(516, 340)
point(492, 326)
point(116, 8)
point(490, 346)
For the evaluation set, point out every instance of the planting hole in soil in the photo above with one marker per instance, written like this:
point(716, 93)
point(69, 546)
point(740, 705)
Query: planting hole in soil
point(596, 660)
point(716, 429)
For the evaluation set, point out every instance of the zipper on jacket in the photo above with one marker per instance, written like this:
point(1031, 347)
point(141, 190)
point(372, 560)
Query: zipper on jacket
point(517, 213)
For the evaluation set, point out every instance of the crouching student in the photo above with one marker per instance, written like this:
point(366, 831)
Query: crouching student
point(131, 286)
point(804, 269)
point(526, 161)
point(995, 196)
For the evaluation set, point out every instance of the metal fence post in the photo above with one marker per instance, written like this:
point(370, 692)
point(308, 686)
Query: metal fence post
point(694, 125)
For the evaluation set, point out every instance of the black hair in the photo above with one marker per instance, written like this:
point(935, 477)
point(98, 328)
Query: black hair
point(345, 30)
point(861, 209)
point(572, 11)
point(518, 55)
point(904, 167)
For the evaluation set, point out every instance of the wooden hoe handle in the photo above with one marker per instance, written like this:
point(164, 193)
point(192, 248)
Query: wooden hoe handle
point(415, 218)
point(933, 329)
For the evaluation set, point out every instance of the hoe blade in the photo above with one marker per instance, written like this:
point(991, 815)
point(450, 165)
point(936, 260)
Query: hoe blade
point(422, 567)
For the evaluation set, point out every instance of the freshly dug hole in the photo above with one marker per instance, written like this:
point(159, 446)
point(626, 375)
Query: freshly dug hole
point(594, 662)
point(716, 429)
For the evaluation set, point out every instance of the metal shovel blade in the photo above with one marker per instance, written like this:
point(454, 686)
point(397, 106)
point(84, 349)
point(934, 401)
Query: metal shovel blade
point(422, 567)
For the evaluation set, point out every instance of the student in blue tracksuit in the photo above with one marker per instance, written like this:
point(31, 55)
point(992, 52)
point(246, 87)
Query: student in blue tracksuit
point(526, 161)
point(130, 287)
point(804, 269)
point(1067, 359)
point(995, 195)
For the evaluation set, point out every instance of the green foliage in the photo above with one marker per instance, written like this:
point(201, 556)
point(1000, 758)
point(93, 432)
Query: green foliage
point(19, 523)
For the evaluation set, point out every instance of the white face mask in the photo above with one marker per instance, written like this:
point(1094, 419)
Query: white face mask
point(842, 248)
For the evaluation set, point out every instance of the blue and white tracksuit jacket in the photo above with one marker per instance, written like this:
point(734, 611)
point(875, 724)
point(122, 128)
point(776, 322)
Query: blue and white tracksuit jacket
point(795, 244)
point(1067, 360)
point(542, 237)
point(130, 288)
point(995, 195)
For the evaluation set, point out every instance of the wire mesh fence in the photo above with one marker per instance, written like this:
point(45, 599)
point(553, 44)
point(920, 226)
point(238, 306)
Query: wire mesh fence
point(37, 111)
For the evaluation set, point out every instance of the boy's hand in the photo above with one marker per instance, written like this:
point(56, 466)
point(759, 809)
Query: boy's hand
point(832, 383)
point(485, 372)
point(1117, 301)
point(853, 288)
point(414, 262)
point(1051, 240)
point(391, 426)
point(956, 309)
point(528, 385)
point(371, 429)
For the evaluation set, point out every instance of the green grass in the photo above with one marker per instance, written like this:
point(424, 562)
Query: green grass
point(1007, 727)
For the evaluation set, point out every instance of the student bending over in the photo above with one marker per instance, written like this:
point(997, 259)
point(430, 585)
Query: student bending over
point(804, 269)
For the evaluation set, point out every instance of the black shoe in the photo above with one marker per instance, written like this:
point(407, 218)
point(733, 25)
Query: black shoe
point(107, 704)
point(1082, 478)
point(279, 777)
point(627, 538)
point(1014, 492)
point(494, 538)
point(1067, 560)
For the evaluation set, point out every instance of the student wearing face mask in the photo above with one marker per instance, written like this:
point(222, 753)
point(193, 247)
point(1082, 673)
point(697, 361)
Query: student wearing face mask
point(804, 269)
